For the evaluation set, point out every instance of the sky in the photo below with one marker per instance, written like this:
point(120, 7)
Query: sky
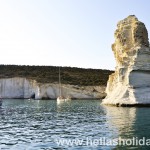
point(76, 33)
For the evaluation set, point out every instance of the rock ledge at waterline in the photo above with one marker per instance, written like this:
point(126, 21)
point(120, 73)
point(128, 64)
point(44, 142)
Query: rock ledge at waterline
point(130, 84)
point(23, 88)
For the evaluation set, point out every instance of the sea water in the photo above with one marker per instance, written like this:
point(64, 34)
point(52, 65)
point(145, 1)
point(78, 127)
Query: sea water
point(73, 125)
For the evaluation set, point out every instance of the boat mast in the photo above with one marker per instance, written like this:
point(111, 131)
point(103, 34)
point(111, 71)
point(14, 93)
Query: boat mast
point(59, 83)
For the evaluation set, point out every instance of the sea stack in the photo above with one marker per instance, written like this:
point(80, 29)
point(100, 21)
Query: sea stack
point(130, 84)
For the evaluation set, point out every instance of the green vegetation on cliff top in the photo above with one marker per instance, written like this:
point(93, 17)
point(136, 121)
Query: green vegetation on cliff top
point(49, 74)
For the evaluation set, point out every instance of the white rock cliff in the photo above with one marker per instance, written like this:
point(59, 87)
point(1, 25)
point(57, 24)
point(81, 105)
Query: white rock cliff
point(130, 84)
point(27, 88)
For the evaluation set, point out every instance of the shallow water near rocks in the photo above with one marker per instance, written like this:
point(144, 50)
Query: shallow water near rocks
point(42, 124)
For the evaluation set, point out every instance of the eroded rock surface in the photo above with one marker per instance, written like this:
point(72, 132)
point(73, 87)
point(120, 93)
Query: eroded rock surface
point(26, 88)
point(130, 84)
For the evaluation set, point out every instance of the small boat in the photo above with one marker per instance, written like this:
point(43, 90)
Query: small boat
point(60, 98)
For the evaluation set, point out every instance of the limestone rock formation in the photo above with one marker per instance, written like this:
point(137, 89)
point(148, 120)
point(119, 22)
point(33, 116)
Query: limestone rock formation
point(130, 84)
point(27, 88)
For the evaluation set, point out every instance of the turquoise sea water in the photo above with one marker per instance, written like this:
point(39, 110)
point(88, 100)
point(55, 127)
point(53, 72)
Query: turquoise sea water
point(85, 124)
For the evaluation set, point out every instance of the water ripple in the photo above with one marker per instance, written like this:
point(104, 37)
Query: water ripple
point(38, 124)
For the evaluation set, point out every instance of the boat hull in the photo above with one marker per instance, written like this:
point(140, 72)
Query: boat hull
point(61, 99)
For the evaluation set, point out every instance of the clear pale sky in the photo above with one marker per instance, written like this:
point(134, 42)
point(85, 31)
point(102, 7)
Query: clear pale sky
point(76, 33)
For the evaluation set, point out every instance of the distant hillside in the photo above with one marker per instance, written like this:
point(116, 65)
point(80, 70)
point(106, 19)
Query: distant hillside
point(49, 74)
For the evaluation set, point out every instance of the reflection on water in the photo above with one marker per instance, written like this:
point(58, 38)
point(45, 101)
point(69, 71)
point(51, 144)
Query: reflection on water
point(31, 124)
point(121, 118)
point(1, 102)
point(129, 123)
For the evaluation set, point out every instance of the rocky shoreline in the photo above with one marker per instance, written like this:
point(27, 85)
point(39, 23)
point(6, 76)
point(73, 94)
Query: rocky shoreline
point(23, 88)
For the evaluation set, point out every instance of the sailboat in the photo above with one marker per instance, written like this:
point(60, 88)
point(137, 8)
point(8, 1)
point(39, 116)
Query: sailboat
point(60, 98)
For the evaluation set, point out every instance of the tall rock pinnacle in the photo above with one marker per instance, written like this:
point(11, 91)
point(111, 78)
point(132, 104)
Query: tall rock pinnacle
point(130, 84)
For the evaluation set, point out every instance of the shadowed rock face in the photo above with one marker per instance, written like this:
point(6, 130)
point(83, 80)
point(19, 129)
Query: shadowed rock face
point(130, 84)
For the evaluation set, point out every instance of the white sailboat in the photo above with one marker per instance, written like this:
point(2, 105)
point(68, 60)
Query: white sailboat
point(60, 98)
